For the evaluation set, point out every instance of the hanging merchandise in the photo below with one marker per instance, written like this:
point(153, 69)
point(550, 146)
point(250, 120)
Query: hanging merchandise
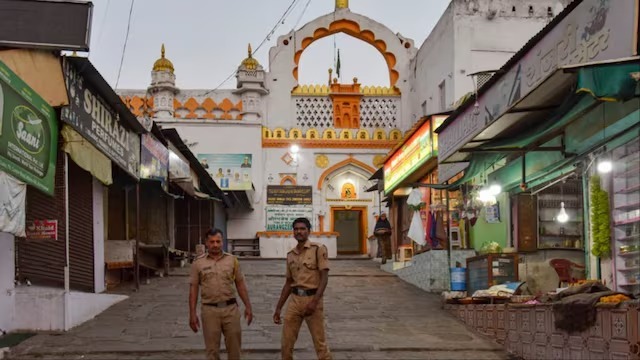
point(432, 230)
point(416, 230)
point(441, 232)
point(600, 219)
point(427, 236)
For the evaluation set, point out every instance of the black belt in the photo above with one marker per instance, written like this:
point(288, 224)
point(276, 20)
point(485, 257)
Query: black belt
point(222, 303)
point(303, 292)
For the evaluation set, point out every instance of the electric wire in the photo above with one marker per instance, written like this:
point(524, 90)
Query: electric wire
point(280, 21)
point(292, 30)
point(124, 47)
point(103, 22)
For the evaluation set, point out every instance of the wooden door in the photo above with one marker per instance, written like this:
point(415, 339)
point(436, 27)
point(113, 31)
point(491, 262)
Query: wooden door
point(526, 222)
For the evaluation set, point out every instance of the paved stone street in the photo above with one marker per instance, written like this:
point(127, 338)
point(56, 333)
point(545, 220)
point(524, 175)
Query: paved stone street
point(370, 315)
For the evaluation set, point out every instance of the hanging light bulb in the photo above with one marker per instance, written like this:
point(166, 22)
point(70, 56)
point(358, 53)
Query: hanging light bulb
point(495, 189)
point(562, 217)
point(605, 166)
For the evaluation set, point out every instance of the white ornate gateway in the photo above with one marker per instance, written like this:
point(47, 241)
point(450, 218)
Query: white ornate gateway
point(330, 137)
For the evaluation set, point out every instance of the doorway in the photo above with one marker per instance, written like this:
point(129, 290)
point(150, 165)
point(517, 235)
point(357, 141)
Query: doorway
point(351, 224)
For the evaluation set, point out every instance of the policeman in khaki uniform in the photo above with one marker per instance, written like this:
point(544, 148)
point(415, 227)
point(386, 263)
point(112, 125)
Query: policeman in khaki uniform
point(215, 276)
point(307, 277)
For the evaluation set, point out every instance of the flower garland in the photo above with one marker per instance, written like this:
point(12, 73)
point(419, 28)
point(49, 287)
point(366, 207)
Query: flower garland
point(416, 207)
point(600, 219)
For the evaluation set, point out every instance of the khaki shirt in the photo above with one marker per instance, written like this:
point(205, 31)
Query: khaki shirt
point(216, 278)
point(303, 267)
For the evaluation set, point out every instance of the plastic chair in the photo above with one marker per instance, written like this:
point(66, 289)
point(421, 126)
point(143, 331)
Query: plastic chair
point(565, 268)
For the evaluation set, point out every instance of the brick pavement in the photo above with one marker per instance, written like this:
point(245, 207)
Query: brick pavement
point(370, 315)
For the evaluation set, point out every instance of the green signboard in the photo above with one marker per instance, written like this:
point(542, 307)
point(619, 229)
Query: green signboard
point(28, 133)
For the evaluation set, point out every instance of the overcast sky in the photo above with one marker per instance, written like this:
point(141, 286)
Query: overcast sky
point(207, 39)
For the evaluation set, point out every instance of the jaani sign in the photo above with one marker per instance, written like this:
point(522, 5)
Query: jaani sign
point(28, 133)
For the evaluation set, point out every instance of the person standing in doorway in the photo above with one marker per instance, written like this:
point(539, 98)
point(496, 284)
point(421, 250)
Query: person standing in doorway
point(214, 276)
point(307, 278)
point(382, 231)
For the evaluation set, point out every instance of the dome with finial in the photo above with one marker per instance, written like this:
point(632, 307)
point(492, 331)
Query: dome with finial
point(163, 64)
point(250, 63)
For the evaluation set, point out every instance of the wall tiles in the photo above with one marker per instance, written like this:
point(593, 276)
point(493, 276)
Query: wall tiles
point(529, 331)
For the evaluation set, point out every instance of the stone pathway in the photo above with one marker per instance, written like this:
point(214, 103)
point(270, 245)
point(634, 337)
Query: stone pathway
point(370, 315)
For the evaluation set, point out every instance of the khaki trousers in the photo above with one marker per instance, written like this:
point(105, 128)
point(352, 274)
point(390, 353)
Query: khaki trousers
point(217, 321)
point(292, 322)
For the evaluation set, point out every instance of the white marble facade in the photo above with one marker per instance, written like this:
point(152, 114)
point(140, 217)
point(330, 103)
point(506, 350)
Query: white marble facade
point(234, 121)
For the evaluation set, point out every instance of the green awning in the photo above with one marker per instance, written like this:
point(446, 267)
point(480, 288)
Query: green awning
point(594, 84)
point(609, 82)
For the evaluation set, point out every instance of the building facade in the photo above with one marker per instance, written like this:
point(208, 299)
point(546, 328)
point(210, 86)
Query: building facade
point(327, 140)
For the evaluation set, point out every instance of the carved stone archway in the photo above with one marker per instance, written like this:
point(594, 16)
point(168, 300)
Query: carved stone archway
point(351, 28)
point(345, 163)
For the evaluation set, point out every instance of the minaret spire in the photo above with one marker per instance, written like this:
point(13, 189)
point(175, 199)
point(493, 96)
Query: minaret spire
point(342, 4)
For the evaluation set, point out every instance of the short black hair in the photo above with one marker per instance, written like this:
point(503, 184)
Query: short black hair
point(213, 232)
point(302, 220)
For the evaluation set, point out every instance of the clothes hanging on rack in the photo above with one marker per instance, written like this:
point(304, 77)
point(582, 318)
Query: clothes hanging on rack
point(462, 233)
point(432, 230)
point(427, 233)
point(440, 231)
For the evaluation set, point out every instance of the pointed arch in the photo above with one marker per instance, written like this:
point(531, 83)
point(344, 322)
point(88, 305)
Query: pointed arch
point(350, 161)
point(288, 178)
point(352, 27)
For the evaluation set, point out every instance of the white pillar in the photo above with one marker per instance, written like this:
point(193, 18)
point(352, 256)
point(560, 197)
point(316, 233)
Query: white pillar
point(98, 236)
point(7, 274)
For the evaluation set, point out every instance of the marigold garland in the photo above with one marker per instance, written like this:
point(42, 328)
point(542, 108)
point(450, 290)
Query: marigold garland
point(600, 219)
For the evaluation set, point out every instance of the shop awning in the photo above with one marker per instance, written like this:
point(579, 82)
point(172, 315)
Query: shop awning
point(41, 70)
point(89, 72)
point(83, 153)
point(205, 181)
point(592, 121)
point(153, 182)
point(373, 188)
point(241, 199)
point(545, 111)
point(378, 175)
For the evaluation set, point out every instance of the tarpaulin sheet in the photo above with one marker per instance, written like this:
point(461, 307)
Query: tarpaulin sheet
point(86, 155)
point(13, 194)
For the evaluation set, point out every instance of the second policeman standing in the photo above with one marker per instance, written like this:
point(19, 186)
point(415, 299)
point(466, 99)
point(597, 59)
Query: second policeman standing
point(306, 280)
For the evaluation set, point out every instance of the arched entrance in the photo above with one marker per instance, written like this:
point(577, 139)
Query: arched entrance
point(352, 28)
point(348, 206)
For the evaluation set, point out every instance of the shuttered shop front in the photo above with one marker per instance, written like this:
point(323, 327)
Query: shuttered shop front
point(42, 261)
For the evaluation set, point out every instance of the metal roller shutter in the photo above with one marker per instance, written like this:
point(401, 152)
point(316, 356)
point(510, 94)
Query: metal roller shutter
point(41, 261)
point(80, 228)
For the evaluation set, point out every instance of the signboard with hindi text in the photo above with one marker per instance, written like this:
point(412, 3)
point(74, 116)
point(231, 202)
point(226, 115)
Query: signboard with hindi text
point(90, 115)
point(419, 148)
point(289, 195)
point(595, 30)
point(42, 230)
point(28, 133)
point(280, 218)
